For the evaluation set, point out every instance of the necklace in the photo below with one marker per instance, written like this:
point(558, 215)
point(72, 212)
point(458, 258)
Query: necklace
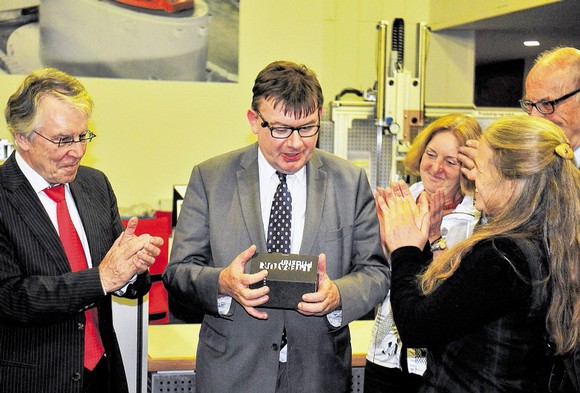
point(452, 205)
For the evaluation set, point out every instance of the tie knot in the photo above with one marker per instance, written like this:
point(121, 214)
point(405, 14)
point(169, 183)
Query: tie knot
point(281, 176)
point(55, 193)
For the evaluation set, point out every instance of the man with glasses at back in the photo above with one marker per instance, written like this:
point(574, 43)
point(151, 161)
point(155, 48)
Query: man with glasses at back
point(553, 92)
point(63, 252)
point(225, 219)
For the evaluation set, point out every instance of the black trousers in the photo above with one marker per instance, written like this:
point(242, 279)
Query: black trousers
point(282, 383)
point(379, 379)
point(97, 380)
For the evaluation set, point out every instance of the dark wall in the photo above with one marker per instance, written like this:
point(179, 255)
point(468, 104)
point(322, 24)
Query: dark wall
point(499, 84)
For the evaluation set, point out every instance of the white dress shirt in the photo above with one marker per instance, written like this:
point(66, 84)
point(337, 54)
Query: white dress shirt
point(39, 184)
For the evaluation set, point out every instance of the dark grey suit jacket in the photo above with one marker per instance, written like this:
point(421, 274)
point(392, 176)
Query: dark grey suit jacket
point(220, 218)
point(42, 302)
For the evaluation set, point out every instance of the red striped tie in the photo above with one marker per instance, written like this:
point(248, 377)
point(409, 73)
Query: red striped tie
point(73, 248)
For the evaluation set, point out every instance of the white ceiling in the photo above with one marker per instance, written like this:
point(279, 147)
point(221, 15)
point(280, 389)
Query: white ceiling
point(501, 38)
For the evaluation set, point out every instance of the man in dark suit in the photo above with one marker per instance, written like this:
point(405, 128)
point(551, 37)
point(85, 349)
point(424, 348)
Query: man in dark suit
point(224, 220)
point(56, 330)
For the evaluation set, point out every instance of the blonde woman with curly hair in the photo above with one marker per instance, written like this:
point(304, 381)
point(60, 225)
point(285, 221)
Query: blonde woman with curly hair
point(482, 307)
point(391, 367)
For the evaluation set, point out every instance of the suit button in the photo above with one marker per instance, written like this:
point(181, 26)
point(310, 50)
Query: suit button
point(80, 326)
point(76, 377)
point(275, 347)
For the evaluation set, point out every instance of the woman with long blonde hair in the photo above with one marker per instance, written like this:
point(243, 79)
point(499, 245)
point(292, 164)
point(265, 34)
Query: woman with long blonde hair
point(482, 307)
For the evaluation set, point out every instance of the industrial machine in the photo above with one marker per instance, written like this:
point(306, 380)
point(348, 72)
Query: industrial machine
point(165, 5)
point(134, 39)
point(126, 38)
point(6, 148)
point(376, 133)
point(400, 94)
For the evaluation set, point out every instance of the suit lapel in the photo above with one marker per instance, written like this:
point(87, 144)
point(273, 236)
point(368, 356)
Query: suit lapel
point(316, 183)
point(89, 216)
point(249, 194)
point(248, 188)
point(22, 197)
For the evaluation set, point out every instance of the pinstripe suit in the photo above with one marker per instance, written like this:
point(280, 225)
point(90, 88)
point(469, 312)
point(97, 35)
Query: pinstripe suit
point(41, 300)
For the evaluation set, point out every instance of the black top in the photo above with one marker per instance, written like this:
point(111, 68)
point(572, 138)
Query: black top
point(477, 325)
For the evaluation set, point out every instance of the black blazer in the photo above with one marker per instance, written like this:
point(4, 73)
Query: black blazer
point(42, 302)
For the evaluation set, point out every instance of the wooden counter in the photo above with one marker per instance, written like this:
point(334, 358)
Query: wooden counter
point(173, 347)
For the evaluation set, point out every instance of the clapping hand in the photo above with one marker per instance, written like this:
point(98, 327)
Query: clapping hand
point(404, 222)
point(436, 209)
point(129, 255)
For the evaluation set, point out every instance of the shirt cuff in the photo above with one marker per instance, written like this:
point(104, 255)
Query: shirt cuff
point(335, 318)
point(121, 291)
point(224, 303)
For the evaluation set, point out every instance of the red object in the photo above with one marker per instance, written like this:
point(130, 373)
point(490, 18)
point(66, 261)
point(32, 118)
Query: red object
point(170, 6)
point(160, 226)
point(73, 249)
point(158, 304)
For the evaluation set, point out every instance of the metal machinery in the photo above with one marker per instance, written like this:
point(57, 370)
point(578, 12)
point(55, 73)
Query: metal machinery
point(375, 133)
point(6, 148)
point(134, 39)
point(379, 145)
point(400, 95)
point(112, 39)
point(165, 5)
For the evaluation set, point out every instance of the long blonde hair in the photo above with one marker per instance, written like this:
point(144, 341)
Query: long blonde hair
point(545, 205)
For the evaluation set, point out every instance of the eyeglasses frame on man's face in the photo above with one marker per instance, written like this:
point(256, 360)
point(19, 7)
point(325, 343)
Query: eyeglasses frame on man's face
point(284, 130)
point(84, 138)
point(528, 105)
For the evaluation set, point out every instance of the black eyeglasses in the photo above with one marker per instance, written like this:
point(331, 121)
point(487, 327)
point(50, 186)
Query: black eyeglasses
point(285, 132)
point(69, 140)
point(545, 107)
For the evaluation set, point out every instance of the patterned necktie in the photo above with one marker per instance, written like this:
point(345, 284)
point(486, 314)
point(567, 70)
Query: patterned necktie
point(279, 226)
point(75, 254)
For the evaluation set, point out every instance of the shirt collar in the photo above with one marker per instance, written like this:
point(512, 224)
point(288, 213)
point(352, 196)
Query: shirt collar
point(37, 182)
point(266, 170)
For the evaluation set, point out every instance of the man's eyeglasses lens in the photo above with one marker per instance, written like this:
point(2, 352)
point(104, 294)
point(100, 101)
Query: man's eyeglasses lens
point(545, 107)
point(285, 132)
point(69, 140)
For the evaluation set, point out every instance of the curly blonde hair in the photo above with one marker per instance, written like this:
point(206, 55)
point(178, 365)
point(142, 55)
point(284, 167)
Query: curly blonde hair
point(463, 127)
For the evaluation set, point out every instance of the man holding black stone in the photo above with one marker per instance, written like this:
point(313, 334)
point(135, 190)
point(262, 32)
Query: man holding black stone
point(284, 196)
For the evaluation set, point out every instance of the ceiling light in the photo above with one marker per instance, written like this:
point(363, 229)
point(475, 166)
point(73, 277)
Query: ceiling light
point(531, 43)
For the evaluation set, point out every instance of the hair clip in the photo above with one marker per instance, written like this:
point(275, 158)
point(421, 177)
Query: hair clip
point(564, 150)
